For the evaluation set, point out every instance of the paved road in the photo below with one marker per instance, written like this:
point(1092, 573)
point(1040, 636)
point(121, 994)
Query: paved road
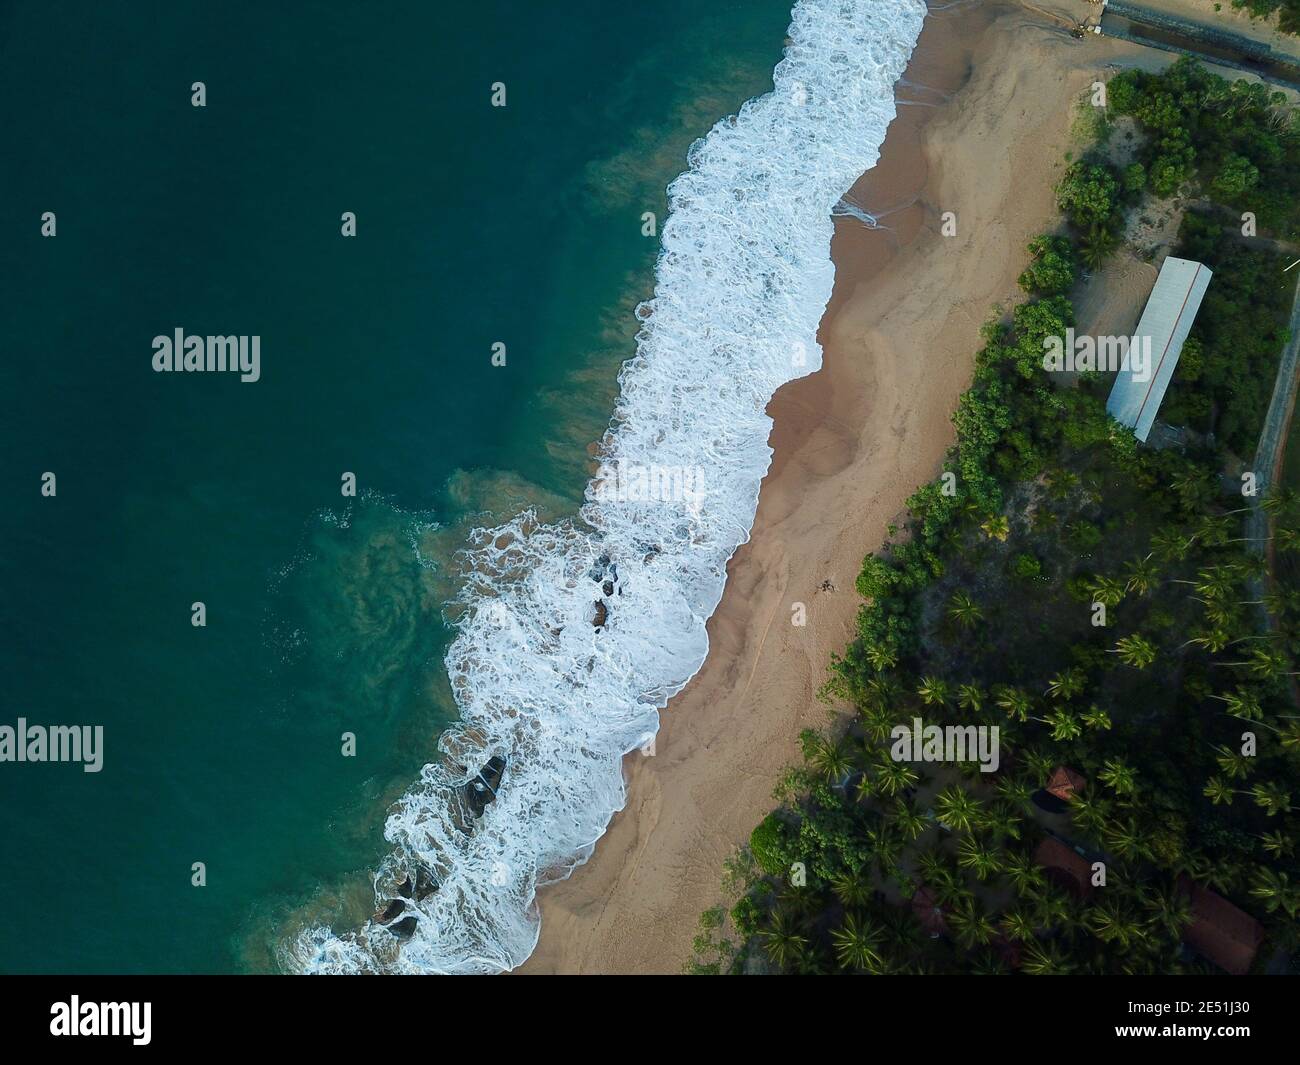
point(1272, 439)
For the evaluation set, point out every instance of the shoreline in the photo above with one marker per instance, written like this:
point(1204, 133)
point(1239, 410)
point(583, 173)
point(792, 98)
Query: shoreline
point(856, 438)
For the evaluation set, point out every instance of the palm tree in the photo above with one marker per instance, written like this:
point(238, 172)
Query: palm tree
point(877, 722)
point(1122, 778)
point(1275, 891)
point(782, 940)
point(1169, 545)
point(1025, 875)
point(996, 527)
point(852, 888)
point(1015, 702)
point(884, 689)
point(933, 867)
point(1014, 789)
point(881, 656)
point(1242, 703)
point(1045, 959)
point(1278, 844)
point(832, 760)
point(1018, 924)
point(1091, 813)
point(1001, 820)
point(964, 611)
point(956, 808)
point(933, 691)
point(894, 777)
point(1067, 684)
point(1135, 650)
point(1169, 909)
point(971, 925)
point(1065, 725)
point(1114, 924)
point(1219, 791)
point(975, 855)
point(1143, 576)
point(1126, 839)
point(1095, 718)
point(970, 697)
point(1236, 765)
point(857, 944)
point(1107, 590)
point(1039, 764)
point(910, 821)
point(1272, 798)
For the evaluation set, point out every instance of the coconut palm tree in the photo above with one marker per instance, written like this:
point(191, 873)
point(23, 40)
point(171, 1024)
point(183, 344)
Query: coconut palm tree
point(977, 856)
point(1219, 791)
point(1167, 908)
point(1114, 923)
point(1236, 765)
point(1278, 844)
point(858, 944)
point(964, 610)
point(1014, 789)
point(877, 722)
point(933, 691)
point(1095, 718)
point(956, 808)
point(1039, 764)
point(1015, 702)
point(1091, 812)
point(1169, 545)
point(852, 888)
point(1143, 576)
point(1001, 820)
point(970, 697)
point(1126, 839)
point(1135, 650)
point(1242, 703)
point(882, 656)
point(884, 689)
point(892, 778)
point(996, 527)
point(1107, 590)
point(830, 759)
point(1067, 684)
point(1025, 875)
point(783, 941)
point(1045, 959)
point(1065, 726)
point(1121, 777)
point(1272, 798)
point(1275, 891)
point(910, 821)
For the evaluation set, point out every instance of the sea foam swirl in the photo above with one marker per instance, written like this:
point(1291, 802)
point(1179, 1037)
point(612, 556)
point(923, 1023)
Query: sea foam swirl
point(742, 280)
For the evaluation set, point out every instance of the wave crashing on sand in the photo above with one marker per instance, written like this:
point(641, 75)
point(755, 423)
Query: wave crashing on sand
point(573, 635)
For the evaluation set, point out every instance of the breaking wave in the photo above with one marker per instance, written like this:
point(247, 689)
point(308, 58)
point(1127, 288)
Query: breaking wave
point(573, 635)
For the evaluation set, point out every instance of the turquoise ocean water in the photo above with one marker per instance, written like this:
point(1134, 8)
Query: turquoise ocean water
point(324, 615)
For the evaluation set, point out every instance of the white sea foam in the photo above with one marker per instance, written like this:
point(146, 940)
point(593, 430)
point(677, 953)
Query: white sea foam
point(741, 283)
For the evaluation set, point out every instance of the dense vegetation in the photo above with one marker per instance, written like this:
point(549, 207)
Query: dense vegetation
point(1288, 11)
point(1096, 601)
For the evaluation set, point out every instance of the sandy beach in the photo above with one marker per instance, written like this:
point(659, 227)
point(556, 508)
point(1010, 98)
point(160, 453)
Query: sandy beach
point(851, 443)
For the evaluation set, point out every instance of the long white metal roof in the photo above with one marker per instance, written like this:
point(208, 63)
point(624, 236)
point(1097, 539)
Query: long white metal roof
point(1139, 389)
